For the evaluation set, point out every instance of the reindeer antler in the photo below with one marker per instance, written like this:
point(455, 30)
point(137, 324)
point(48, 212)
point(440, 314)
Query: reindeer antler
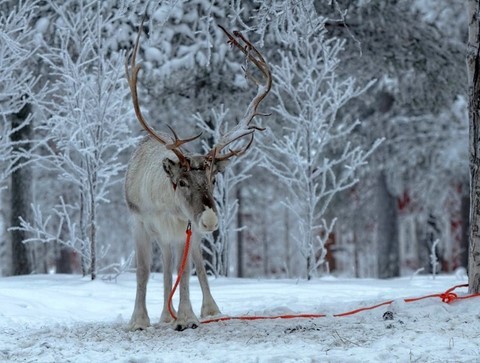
point(244, 127)
point(132, 79)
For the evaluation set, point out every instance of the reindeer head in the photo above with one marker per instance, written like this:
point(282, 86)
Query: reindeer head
point(193, 186)
point(192, 176)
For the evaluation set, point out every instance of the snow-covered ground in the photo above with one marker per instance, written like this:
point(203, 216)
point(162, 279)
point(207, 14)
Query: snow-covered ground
point(59, 318)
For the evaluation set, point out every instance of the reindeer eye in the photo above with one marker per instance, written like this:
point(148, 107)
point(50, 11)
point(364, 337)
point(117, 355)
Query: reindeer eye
point(182, 183)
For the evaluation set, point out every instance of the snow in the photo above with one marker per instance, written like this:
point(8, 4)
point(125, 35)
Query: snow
point(65, 318)
point(42, 25)
point(153, 54)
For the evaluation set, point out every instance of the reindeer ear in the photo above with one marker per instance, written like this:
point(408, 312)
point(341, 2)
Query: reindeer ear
point(220, 166)
point(170, 167)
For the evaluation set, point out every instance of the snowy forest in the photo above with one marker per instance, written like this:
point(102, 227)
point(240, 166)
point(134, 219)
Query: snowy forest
point(362, 170)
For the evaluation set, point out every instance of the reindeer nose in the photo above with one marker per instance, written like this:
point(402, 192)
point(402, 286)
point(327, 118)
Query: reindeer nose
point(209, 220)
point(210, 228)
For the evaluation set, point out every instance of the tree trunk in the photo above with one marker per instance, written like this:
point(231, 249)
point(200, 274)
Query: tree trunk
point(93, 238)
point(62, 260)
point(465, 212)
point(473, 61)
point(225, 252)
point(309, 267)
point(83, 234)
point(20, 193)
point(211, 264)
point(387, 242)
point(5, 246)
point(356, 253)
point(266, 262)
point(239, 234)
point(473, 65)
point(63, 263)
point(287, 243)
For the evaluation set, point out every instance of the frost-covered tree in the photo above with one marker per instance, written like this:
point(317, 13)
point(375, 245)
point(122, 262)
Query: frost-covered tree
point(87, 128)
point(19, 89)
point(17, 80)
point(316, 155)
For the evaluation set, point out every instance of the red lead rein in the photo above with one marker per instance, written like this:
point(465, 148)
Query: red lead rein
point(447, 297)
point(188, 232)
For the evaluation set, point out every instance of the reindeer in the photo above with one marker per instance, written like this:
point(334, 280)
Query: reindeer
point(168, 188)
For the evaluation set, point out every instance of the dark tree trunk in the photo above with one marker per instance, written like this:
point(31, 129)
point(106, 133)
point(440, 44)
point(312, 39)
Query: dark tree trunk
point(63, 260)
point(20, 194)
point(309, 267)
point(465, 212)
point(473, 63)
point(287, 243)
point(266, 252)
point(208, 257)
point(239, 235)
point(83, 233)
point(356, 254)
point(93, 230)
point(388, 242)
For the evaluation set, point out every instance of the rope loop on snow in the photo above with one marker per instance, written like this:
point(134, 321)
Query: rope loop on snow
point(447, 297)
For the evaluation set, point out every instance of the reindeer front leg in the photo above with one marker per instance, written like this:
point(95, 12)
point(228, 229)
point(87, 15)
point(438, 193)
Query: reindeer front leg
point(143, 247)
point(185, 317)
point(167, 282)
point(209, 306)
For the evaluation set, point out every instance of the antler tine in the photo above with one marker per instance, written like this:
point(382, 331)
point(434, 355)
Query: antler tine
point(132, 78)
point(236, 152)
point(254, 56)
point(179, 142)
point(220, 146)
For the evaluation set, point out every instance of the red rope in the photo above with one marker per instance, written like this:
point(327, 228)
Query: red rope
point(188, 232)
point(447, 297)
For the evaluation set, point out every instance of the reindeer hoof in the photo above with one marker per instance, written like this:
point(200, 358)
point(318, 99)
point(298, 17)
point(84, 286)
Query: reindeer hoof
point(182, 327)
point(135, 326)
point(166, 318)
point(139, 322)
point(210, 310)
